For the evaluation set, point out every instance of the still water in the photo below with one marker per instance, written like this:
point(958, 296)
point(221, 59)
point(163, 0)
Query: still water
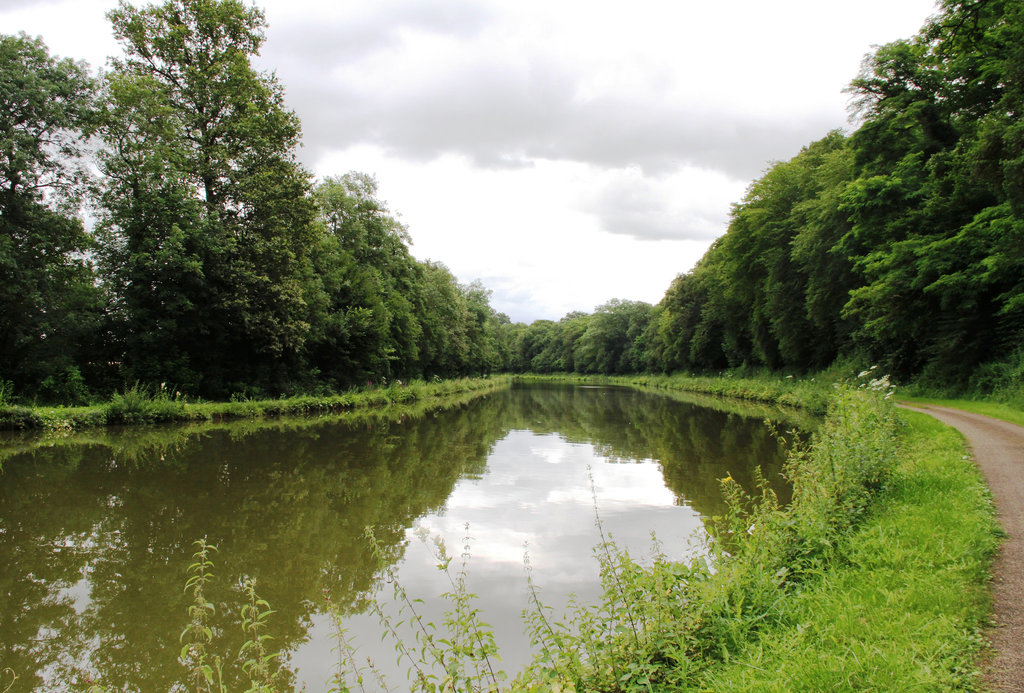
point(96, 530)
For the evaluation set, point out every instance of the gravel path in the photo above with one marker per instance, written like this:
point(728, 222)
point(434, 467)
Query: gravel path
point(998, 449)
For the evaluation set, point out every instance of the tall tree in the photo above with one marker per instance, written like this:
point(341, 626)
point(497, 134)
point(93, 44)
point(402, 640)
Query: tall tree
point(207, 222)
point(936, 221)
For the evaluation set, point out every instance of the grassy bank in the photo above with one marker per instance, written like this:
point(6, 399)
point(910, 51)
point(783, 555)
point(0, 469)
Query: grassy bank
point(138, 405)
point(901, 600)
point(872, 579)
point(811, 393)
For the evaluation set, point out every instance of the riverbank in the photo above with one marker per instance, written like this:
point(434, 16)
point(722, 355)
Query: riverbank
point(811, 393)
point(903, 599)
point(139, 406)
point(874, 578)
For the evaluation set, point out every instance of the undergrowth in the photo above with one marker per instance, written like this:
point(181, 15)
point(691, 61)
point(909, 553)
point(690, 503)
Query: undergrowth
point(995, 382)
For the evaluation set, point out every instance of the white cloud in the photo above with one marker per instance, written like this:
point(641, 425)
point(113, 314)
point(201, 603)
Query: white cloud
point(630, 203)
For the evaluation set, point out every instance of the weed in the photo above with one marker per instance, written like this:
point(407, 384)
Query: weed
point(257, 660)
point(205, 670)
point(138, 405)
point(458, 655)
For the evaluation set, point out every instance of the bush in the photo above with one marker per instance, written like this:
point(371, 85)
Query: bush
point(137, 405)
point(66, 386)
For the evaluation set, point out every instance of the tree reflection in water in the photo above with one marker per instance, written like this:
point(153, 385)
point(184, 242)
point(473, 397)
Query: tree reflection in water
point(96, 530)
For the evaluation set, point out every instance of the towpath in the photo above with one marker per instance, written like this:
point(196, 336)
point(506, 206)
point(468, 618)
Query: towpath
point(998, 449)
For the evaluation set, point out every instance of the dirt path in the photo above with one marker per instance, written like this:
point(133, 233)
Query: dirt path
point(998, 448)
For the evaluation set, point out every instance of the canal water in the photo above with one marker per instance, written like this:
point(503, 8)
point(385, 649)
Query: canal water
point(97, 529)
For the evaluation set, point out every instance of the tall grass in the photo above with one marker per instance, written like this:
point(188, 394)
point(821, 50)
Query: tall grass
point(138, 404)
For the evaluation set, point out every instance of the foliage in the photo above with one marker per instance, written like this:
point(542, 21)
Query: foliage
point(222, 268)
point(49, 306)
point(137, 405)
point(900, 243)
point(206, 224)
point(379, 314)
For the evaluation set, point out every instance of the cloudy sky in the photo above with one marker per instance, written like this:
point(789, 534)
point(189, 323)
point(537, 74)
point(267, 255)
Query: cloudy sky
point(564, 152)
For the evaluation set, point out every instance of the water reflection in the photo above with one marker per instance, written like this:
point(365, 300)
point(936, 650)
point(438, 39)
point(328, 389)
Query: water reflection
point(95, 531)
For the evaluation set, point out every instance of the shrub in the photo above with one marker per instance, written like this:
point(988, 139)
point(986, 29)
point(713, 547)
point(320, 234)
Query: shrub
point(137, 405)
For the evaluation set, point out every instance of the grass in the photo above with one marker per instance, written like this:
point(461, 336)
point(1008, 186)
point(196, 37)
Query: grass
point(140, 405)
point(997, 410)
point(902, 602)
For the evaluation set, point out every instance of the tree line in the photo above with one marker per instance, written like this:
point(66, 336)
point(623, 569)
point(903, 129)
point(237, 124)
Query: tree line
point(900, 244)
point(215, 263)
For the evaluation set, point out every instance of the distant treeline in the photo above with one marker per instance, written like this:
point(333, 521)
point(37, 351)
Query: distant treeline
point(901, 244)
point(215, 265)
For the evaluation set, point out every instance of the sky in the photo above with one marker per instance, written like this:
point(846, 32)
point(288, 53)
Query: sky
point(563, 152)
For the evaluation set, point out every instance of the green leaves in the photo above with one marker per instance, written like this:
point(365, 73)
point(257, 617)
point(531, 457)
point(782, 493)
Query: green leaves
point(49, 303)
point(45, 104)
point(207, 223)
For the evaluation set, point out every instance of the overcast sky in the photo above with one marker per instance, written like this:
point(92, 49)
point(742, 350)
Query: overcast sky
point(563, 152)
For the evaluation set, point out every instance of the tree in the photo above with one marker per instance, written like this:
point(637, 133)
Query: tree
point(936, 223)
point(613, 340)
point(367, 326)
point(48, 302)
point(207, 219)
